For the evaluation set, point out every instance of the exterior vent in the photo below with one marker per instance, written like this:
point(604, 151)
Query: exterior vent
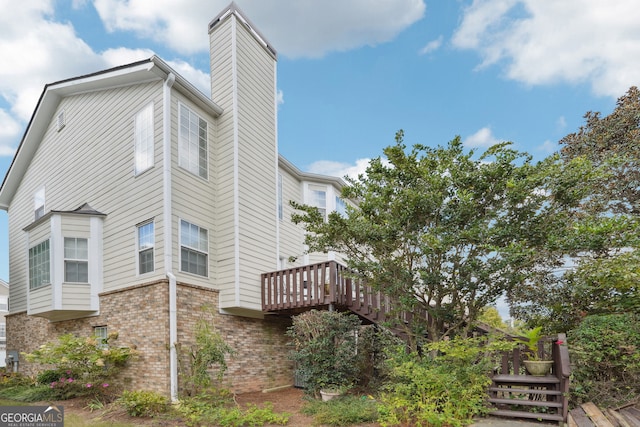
point(60, 121)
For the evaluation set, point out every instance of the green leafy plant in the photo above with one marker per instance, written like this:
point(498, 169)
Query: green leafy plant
point(325, 349)
point(605, 358)
point(200, 411)
point(444, 387)
point(82, 366)
point(143, 403)
point(209, 350)
point(344, 411)
point(533, 337)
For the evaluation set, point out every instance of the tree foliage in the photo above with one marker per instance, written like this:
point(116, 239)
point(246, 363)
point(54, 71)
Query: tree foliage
point(599, 179)
point(441, 229)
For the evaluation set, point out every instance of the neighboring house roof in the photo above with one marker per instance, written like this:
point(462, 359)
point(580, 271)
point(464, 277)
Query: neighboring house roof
point(306, 176)
point(146, 70)
point(4, 284)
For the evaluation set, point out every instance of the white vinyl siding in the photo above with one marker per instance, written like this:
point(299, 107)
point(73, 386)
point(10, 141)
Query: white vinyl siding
point(39, 265)
point(192, 142)
point(146, 243)
point(76, 260)
point(92, 164)
point(144, 140)
point(194, 249)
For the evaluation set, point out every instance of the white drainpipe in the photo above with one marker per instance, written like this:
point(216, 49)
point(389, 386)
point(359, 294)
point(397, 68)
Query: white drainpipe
point(168, 244)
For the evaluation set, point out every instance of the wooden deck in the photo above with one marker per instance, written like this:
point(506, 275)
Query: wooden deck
point(327, 284)
point(589, 415)
point(513, 393)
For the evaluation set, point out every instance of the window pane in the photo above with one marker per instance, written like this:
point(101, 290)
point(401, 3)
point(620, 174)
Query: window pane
point(192, 142)
point(39, 268)
point(144, 149)
point(146, 261)
point(194, 242)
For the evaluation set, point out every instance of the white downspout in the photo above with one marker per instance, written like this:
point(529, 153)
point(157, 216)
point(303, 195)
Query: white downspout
point(168, 229)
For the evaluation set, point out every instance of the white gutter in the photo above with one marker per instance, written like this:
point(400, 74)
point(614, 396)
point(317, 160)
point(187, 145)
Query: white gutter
point(168, 244)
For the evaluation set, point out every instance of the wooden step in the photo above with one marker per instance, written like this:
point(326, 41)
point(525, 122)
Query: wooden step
point(525, 391)
point(522, 414)
point(526, 402)
point(525, 379)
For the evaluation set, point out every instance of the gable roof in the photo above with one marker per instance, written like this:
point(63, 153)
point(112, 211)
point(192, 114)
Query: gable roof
point(147, 70)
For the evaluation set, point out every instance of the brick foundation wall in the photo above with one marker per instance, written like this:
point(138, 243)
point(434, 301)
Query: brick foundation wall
point(140, 315)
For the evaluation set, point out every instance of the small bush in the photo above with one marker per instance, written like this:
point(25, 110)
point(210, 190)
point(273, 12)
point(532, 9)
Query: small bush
point(605, 357)
point(27, 393)
point(343, 411)
point(444, 387)
point(143, 403)
point(198, 411)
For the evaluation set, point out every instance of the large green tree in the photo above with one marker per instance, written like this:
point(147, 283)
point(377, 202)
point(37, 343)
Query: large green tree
point(442, 230)
point(599, 173)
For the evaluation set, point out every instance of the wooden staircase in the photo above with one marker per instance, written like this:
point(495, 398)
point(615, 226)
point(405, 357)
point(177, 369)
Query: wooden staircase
point(515, 394)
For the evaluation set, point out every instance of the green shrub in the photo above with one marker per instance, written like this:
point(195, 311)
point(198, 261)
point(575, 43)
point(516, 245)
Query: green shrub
point(85, 368)
point(325, 349)
point(28, 393)
point(143, 403)
point(342, 411)
point(209, 351)
point(198, 411)
point(605, 358)
point(444, 387)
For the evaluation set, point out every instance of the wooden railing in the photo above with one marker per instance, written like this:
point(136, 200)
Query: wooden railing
point(322, 284)
point(511, 381)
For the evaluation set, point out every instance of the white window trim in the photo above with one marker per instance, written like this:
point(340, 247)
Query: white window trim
point(39, 203)
point(137, 143)
point(152, 248)
point(180, 162)
point(78, 260)
point(180, 245)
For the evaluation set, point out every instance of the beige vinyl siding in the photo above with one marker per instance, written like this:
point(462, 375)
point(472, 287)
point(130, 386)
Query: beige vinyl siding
point(91, 161)
point(291, 235)
point(75, 226)
point(76, 296)
point(41, 300)
point(192, 196)
point(246, 217)
point(257, 171)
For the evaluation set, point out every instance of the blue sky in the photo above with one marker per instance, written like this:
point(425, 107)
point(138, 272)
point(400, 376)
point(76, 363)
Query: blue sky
point(351, 72)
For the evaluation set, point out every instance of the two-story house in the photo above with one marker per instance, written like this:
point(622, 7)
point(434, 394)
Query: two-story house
point(135, 202)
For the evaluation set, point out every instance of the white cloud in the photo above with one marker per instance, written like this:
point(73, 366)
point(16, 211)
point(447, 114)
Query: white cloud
point(296, 28)
point(280, 97)
point(433, 45)
point(339, 169)
point(482, 138)
point(548, 42)
point(9, 128)
point(548, 147)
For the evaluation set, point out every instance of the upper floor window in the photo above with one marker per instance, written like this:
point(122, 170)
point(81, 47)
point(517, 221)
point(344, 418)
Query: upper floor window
point(194, 249)
point(341, 206)
point(38, 203)
point(76, 260)
point(146, 243)
point(318, 198)
point(144, 139)
point(39, 265)
point(192, 142)
point(3, 331)
point(4, 304)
